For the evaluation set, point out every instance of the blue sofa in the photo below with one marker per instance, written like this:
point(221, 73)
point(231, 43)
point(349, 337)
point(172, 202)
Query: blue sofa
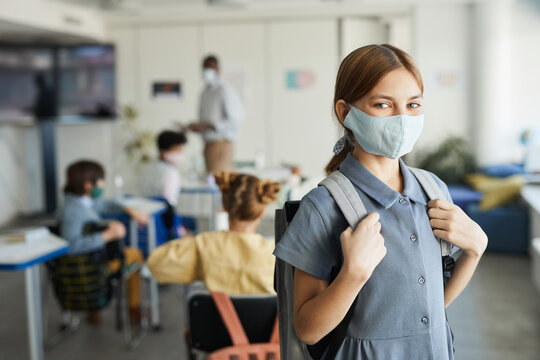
point(506, 227)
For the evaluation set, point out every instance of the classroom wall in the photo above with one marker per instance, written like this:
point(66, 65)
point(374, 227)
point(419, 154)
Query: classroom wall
point(256, 58)
point(440, 46)
point(259, 54)
point(88, 141)
point(524, 94)
point(172, 51)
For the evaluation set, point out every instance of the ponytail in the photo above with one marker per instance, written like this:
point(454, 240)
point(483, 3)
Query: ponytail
point(338, 158)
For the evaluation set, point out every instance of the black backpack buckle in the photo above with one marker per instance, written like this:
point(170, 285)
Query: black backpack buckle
point(448, 264)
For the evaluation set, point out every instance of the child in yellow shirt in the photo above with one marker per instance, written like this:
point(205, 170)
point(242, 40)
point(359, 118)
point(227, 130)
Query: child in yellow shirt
point(238, 261)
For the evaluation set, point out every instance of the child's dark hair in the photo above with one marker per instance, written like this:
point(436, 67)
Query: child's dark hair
point(80, 172)
point(244, 196)
point(168, 139)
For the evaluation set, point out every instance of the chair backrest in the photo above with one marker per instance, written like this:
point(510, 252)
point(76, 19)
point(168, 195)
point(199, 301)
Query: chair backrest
point(257, 314)
point(81, 282)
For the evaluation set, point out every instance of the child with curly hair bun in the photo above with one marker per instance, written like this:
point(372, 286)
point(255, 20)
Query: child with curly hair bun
point(238, 261)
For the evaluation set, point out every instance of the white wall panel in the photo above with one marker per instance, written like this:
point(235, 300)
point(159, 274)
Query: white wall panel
point(302, 129)
point(241, 50)
point(443, 58)
point(127, 94)
point(170, 54)
point(357, 32)
point(92, 141)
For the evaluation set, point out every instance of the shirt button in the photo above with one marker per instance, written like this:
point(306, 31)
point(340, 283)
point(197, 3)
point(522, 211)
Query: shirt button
point(413, 237)
point(402, 201)
point(421, 280)
point(424, 320)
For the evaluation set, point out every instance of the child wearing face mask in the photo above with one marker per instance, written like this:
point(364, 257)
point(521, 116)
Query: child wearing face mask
point(161, 178)
point(82, 226)
point(388, 269)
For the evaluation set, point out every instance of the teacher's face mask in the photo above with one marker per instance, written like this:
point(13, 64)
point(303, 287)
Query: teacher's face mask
point(210, 76)
point(391, 136)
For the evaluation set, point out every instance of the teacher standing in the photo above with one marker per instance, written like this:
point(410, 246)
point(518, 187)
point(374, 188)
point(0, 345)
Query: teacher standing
point(220, 115)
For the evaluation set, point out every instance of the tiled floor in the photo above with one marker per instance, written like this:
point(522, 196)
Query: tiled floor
point(496, 318)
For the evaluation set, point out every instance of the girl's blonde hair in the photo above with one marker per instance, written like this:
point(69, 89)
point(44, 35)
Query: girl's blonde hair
point(244, 196)
point(360, 72)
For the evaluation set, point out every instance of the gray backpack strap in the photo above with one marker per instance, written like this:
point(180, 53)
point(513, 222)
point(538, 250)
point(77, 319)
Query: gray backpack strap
point(350, 204)
point(433, 191)
point(348, 200)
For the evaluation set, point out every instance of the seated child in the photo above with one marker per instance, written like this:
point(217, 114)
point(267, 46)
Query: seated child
point(80, 214)
point(161, 177)
point(238, 261)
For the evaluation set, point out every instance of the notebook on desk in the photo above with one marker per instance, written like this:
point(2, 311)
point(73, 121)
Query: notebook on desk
point(14, 253)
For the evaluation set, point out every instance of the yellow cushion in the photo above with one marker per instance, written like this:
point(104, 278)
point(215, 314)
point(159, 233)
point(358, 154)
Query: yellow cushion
point(497, 191)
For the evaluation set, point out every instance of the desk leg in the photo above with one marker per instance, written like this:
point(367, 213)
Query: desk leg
point(33, 308)
point(133, 234)
point(154, 294)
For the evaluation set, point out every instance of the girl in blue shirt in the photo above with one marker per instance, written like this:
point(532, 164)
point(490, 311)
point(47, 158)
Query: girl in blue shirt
point(392, 261)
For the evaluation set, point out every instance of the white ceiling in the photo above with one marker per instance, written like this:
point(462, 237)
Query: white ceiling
point(119, 5)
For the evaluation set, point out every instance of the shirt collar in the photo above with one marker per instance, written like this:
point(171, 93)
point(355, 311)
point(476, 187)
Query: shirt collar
point(88, 202)
point(375, 188)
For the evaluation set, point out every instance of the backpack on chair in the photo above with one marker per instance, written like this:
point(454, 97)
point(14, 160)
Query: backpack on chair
point(241, 348)
point(350, 204)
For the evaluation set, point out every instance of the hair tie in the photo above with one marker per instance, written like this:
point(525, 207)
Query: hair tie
point(340, 145)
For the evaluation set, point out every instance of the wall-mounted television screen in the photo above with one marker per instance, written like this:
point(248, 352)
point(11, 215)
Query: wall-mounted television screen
point(87, 86)
point(23, 70)
point(57, 83)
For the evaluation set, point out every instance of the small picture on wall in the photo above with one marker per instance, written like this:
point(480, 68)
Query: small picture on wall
point(166, 90)
point(299, 79)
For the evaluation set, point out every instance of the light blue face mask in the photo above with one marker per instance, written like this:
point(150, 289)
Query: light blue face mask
point(391, 136)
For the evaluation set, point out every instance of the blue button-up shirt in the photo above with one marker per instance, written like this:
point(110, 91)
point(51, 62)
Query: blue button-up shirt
point(76, 214)
point(400, 310)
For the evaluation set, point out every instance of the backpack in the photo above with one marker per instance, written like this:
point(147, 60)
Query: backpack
point(350, 204)
point(241, 348)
